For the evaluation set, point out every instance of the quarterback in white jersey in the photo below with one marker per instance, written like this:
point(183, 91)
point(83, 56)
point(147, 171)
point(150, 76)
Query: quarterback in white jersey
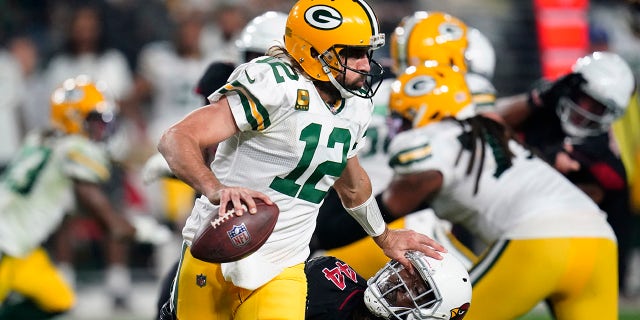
point(533, 219)
point(256, 92)
point(289, 127)
point(50, 173)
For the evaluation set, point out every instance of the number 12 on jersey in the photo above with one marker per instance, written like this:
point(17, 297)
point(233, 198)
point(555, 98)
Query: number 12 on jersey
point(307, 191)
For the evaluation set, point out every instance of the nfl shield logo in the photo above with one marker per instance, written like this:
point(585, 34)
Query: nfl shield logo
point(201, 280)
point(239, 235)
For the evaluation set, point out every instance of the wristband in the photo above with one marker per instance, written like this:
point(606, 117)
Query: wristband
point(369, 217)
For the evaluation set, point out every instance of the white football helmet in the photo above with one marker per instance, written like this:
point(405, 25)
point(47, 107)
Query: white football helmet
point(601, 97)
point(480, 55)
point(442, 291)
point(261, 33)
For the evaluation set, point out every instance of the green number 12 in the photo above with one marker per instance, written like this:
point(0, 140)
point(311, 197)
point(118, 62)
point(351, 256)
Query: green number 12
point(310, 135)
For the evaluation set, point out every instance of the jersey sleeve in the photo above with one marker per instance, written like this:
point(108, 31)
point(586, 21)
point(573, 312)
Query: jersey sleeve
point(256, 91)
point(413, 151)
point(85, 161)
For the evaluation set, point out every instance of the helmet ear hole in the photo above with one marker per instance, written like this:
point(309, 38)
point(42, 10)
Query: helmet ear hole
point(313, 52)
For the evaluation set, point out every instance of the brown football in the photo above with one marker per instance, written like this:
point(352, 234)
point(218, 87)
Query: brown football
point(229, 237)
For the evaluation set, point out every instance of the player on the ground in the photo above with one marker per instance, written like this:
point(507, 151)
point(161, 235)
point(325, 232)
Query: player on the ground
point(437, 290)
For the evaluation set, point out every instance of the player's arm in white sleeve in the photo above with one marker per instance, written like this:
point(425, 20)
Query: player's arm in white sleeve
point(417, 177)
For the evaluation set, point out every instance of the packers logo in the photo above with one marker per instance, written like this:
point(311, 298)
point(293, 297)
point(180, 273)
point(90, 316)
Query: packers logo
point(419, 86)
point(450, 31)
point(302, 102)
point(460, 312)
point(323, 17)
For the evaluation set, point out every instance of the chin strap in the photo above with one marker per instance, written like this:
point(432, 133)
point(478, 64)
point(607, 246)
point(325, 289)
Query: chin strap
point(344, 93)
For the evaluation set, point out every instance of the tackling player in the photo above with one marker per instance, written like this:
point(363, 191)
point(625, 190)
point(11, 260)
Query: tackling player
point(436, 289)
point(568, 122)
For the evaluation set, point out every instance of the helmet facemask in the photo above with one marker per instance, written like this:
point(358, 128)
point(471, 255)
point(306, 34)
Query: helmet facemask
point(395, 293)
point(582, 114)
point(334, 65)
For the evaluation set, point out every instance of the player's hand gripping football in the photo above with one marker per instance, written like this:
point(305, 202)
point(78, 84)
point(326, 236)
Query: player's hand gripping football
point(396, 243)
point(237, 196)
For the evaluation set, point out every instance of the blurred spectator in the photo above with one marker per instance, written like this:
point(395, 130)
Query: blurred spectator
point(34, 110)
point(11, 92)
point(222, 30)
point(85, 51)
point(165, 70)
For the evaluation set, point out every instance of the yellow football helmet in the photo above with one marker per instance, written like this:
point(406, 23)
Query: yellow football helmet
point(78, 106)
point(318, 30)
point(423, 95)
point(429, 36)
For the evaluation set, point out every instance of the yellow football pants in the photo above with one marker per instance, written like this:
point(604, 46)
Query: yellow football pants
point(202, 293)
point(577, 276)
point(36, 278)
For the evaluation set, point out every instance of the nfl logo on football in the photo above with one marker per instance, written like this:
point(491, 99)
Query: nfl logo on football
point(239, 235)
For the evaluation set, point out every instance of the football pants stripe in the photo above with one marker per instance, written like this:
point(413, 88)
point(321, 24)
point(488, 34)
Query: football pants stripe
point(487, 261)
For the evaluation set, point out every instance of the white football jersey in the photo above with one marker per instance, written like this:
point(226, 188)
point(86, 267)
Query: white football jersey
point(36, 190)
point(527, 199)
point(292, 147)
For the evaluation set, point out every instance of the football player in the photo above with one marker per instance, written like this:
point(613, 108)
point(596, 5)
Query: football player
point(289, 126)
point(436, 289)
point(471, 171)
point(52, 172)
point(256, 38)
point(568, 123)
